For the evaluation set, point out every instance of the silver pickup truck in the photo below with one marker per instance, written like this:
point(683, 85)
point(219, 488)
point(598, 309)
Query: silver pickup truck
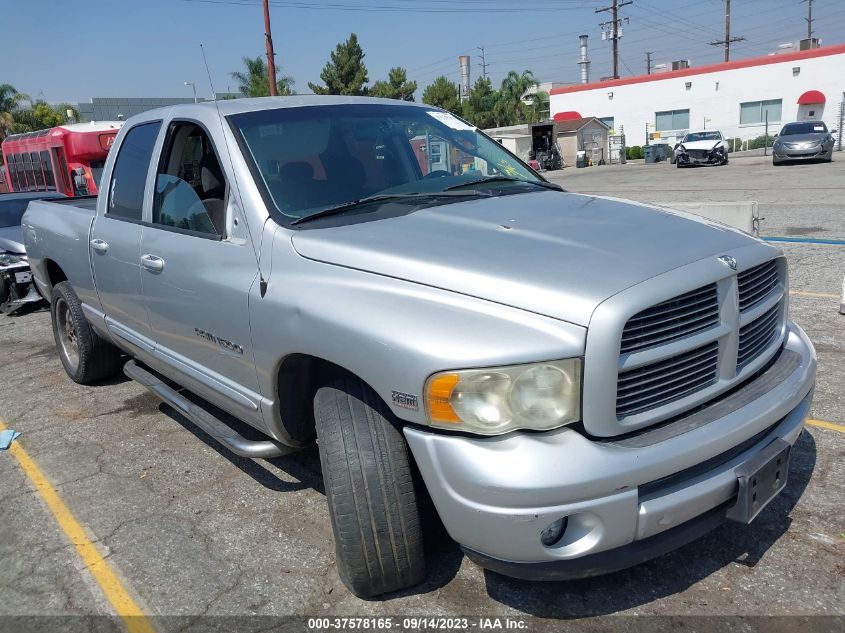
point(578, 383)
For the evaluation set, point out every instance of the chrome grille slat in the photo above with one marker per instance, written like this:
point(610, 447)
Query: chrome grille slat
point(651, 386)
point(757, 283)
point(705, 309)
point(708, 364)
point(757, 336)
point(756, 295)
point(678, 303)
point(667, 365)
point(680, 328)
point(671, 320)
point(751, 331)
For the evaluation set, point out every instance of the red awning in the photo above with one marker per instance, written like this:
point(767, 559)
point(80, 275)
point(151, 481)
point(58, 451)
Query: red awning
point(811, 96)
point(566, 116)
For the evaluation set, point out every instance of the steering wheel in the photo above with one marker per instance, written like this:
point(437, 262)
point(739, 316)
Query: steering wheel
point(438, 173)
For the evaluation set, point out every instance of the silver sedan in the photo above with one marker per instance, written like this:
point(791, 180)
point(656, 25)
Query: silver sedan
point(804, 140)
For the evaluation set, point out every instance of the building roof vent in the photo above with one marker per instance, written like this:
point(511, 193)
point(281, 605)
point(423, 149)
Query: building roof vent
point(680, 64)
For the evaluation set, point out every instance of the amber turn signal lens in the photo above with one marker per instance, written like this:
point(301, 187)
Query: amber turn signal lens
point(439, 396)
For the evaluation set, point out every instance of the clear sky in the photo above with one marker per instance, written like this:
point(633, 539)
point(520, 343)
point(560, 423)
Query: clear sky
point(73, 50)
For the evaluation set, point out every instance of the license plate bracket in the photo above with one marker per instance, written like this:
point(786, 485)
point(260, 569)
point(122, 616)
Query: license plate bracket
point(760, 480)
point(23, 278)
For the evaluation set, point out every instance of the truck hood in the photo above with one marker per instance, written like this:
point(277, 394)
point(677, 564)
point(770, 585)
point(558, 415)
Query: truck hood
point(11, 240)
point(556, 254)
point(701, 144)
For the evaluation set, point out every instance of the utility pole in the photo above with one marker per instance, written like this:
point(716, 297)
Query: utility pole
point(728, 39)
point(271, 61)
point(614, 30)
point(648, 55)
point(809, 18)
point(483, 62)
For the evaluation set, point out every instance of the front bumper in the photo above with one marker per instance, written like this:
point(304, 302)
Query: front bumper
point(627, 499)
point(18, 287)
point(712, 158)
point(815, 153)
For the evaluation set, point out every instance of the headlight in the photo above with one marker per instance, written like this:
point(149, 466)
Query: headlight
point(492, 401)
point(7, 259)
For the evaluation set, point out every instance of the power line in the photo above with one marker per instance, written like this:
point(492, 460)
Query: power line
point(614, 25)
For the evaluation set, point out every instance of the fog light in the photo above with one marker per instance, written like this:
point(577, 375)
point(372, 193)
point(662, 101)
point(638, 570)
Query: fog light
point(553, 532)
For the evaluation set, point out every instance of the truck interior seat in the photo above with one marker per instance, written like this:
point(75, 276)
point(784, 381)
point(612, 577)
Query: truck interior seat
point(213, 192)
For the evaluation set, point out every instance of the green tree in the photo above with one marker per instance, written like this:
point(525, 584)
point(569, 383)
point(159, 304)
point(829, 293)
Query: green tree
point(345, 72)
point(254, 82)
point(442, 93)
point(510, 108)
point(397, 86)
point(10, 102)
point(538, 108)
point(478, 108)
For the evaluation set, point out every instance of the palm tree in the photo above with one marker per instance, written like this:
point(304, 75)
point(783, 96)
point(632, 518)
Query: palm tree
point(511, 108)
point(10, 100)
point(254, 82)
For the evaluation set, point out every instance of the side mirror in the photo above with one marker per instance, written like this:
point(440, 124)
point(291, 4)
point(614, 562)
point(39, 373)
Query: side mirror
point(834, 131)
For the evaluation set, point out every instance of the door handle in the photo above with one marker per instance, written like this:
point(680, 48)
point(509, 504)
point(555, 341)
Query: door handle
point(101, 246)
point(152, 263)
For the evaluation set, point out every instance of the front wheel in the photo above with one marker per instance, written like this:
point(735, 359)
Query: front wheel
point(85, 356)
point(370, 490)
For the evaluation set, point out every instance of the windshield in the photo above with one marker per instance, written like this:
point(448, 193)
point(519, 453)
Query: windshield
point(702, 136)
point(810, 127)
point(309, 159)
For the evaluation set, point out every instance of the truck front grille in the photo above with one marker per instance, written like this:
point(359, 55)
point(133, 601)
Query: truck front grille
point(671, 320)
point(659, 383)
point(756, 284)
point(675, 354)
point(755, 337)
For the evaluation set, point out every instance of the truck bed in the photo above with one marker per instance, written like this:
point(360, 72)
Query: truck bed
point(56, 234)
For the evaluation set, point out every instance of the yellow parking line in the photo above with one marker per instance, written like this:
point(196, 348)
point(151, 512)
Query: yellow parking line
point(830, 426)
point(823, 295)
point(104, 575)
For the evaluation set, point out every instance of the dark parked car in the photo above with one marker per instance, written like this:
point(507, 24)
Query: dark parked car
point(803, 140)
point(16, 286)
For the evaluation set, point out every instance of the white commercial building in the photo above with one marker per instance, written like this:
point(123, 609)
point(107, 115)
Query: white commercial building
point(736, 97)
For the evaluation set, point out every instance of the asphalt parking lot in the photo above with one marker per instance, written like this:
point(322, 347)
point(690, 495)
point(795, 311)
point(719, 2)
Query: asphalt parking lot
point(192, 530)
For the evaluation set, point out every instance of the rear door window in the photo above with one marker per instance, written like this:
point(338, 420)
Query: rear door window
point(129, 175)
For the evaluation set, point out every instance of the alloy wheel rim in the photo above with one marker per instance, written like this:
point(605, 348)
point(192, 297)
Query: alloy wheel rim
point(68, 337)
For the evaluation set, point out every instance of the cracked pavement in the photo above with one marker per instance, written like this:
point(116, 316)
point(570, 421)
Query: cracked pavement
point(196, 531)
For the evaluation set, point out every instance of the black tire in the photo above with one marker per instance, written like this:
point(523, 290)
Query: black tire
point(5, 291)
point(85, 356)
point(369, 488)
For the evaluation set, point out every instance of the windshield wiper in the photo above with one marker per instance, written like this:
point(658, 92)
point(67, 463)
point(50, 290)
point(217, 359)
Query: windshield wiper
point(480, 181)
point(352, 204)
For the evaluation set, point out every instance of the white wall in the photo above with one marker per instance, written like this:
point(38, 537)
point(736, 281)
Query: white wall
point(716, 96)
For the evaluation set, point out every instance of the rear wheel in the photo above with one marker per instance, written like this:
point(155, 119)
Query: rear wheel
point(5, 292)
point(369, 489)
point(85, 356)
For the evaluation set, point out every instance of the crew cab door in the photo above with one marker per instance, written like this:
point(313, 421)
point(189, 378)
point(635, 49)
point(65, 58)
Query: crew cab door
point(115, 241)
point(197, 269)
